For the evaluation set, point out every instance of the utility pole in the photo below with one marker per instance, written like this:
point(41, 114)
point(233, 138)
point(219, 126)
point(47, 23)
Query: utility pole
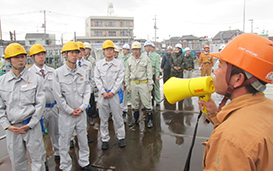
point(155, 27)
point(62, 39)
point(0, 30)
point(45, 26)
point(251, 25)
point(14, 35)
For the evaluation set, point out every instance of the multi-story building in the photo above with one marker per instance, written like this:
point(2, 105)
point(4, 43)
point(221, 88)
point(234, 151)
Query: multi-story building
point(100, 28)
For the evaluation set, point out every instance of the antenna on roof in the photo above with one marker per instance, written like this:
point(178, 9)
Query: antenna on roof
point(110, 10)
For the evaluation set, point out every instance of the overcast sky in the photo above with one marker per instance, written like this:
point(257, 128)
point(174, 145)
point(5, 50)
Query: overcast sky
point(175, 18)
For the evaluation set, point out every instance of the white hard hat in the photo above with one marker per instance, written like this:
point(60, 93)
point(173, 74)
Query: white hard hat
point(136, 45)
point(153, 45)
point(169, 48)
point(126, 46)
point(187, 49)
point(178, 45)
point(116, 49)
point(87, 45)
point(222, 46)
point(147, 43)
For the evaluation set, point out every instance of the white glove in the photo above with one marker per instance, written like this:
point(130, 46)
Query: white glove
point(150, 87)
point(199, 68)
point(128, 88)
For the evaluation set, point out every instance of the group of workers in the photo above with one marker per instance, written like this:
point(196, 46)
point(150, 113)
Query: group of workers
point(59, 100)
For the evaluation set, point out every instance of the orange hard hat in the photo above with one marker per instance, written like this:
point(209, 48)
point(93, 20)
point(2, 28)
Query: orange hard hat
point(251, 53)
point(206, 46)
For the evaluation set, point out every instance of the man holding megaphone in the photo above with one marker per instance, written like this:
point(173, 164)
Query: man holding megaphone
point(243, 134)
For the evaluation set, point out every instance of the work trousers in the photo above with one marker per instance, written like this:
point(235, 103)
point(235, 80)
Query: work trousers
point(140, 91)
point(67, 125)
point(188, 101)
point(178, 75)
point(93, 109)
point(124, 102)
point(166, 75)
point(157, 92)
point(51, 124)
point(19, 144)
point(206, 70)
point(107, 106)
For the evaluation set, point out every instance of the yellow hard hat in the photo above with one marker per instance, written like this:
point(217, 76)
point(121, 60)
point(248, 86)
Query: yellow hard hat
point(80, 44)
point(108, 44)
point(87, 45)
point(116, 49)
point(14, 49)
point(136, 45)
point(69, 46)
point(35, 49)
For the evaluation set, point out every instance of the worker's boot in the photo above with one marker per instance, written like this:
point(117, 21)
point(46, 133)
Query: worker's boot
point(150, 119)
point(136, 118)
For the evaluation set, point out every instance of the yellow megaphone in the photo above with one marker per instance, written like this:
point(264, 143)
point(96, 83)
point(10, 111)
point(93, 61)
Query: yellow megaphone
point(176, 89)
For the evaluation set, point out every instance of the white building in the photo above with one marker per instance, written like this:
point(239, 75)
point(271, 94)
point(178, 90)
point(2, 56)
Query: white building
point(100, 28)
point(39, 38)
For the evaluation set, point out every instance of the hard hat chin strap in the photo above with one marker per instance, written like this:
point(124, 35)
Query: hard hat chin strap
point(36, 62)
point(251, 80)
point(18, 69)
point(66, 58)
point(230, 88)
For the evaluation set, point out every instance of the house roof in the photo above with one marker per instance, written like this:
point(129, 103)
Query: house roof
point(189, 37)
point(227, 34)
point(174, 39)
point(36, 35)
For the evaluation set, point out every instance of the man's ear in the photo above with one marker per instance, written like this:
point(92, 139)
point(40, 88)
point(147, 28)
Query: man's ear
point(8, 60)
point(239, 80)
point(64, 54)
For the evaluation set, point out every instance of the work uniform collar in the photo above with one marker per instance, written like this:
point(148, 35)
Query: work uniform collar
point(178, 54)
point(69, 70)
point(126, 55)
point(108, 62)
point(78, 61)
point(39, 69)
point(11, 75)
point(87, 56)
point(148, 54)
point(238, 103)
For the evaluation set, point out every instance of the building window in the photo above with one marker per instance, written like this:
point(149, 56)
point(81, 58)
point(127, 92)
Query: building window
point(111, 33)
point(32, 42)
point(128, 23)
point(124, 33)
point(98, 33)
point(97, 23)
point(98, 41)
point(111, 24)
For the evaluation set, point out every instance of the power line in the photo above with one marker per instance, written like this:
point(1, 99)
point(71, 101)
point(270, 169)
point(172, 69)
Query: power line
point(67, 15)
point(24, 13)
